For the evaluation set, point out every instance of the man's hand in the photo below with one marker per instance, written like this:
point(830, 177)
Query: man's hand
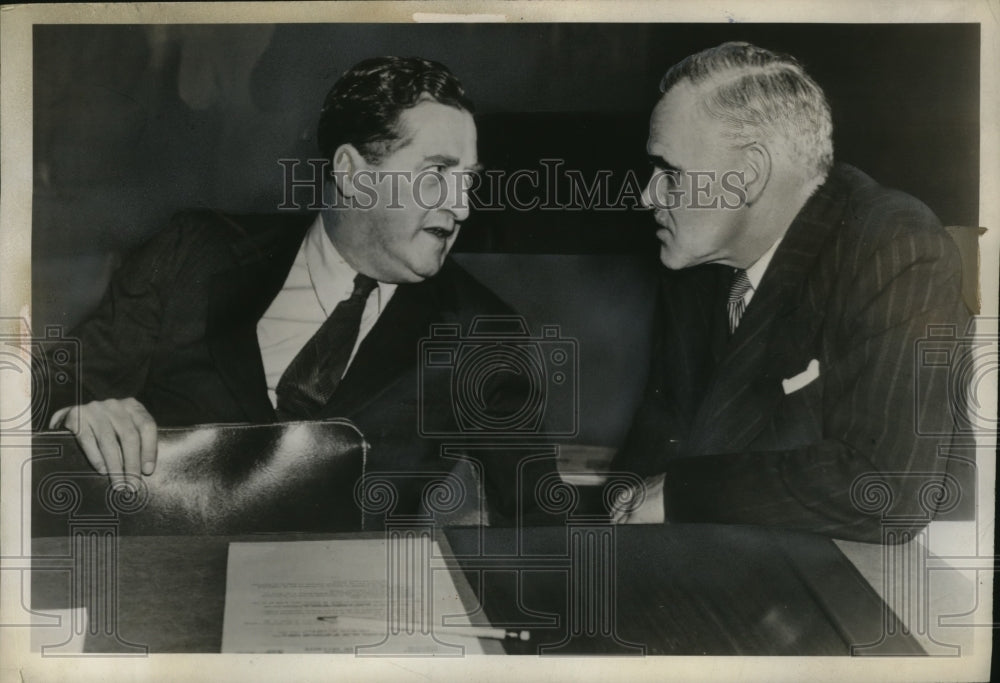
point(648, 511)
point(118, 436)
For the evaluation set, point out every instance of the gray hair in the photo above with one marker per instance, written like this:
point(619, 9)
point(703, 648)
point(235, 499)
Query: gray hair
point(758, 95)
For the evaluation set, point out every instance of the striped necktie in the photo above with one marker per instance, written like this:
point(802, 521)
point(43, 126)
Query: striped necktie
point(737, 303)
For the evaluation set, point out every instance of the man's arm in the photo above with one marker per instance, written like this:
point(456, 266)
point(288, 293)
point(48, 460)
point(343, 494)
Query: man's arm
point(872, 389)
point(115, 431)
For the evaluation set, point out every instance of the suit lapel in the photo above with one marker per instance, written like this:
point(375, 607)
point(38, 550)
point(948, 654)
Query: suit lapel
point(695, 339)
point(747, 383)
point(239, 297)
point(389, 349)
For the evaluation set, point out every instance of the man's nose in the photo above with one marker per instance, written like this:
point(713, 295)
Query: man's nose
point(457, 202)
point(646, 196)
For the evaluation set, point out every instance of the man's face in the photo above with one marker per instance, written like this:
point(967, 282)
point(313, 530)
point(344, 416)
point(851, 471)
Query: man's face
point(696, 187)
point(415, 199)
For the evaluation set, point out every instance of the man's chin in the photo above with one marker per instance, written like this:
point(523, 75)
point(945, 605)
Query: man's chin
point(671, 259)
point(425, 271)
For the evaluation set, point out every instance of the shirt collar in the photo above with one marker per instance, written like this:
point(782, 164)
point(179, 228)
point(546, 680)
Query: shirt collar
point(332, 277)
point(755, 273)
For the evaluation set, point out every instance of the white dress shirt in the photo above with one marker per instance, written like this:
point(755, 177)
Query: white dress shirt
point(319, 280)
point(755, 273)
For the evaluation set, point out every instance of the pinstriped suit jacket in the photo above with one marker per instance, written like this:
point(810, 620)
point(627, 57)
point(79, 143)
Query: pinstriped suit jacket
point(860, 275)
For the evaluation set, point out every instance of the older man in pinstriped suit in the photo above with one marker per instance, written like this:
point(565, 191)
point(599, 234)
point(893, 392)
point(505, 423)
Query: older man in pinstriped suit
point(794, 295)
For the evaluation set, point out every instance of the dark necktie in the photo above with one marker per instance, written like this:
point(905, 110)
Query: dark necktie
point(311, 378)
point(737, 304)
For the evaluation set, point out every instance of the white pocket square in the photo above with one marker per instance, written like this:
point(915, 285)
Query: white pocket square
point(807, 376)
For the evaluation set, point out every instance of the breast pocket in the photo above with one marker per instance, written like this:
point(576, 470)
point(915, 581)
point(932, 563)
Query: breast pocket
point(797, 421)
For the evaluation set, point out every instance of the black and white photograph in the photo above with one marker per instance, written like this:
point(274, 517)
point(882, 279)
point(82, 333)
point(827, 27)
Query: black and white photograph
point(479, 341)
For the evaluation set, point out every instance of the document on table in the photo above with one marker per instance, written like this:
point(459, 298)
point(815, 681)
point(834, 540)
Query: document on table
point(401, 591)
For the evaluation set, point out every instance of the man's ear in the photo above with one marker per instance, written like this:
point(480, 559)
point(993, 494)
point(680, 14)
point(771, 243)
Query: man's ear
point(347, 161)
point(758, 170)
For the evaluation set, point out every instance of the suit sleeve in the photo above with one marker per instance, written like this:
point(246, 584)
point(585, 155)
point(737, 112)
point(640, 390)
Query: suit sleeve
point(118, 340)
point(883, 415)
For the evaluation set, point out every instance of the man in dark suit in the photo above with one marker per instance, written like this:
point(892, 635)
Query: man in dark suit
point(222, 319)
point(784, 388)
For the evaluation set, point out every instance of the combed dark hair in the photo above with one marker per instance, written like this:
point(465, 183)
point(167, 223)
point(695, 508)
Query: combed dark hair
point(759, 94)
point(363, 106)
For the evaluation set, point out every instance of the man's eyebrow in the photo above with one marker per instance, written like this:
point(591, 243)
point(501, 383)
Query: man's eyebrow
point(449, 161)
point(660, 162)
point(442, 159)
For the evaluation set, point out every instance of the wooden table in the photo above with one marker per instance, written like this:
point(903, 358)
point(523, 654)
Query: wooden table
point(580, 589)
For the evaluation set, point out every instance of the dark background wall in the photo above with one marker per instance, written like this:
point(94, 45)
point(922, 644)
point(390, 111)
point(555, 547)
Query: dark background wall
point(135, 122)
